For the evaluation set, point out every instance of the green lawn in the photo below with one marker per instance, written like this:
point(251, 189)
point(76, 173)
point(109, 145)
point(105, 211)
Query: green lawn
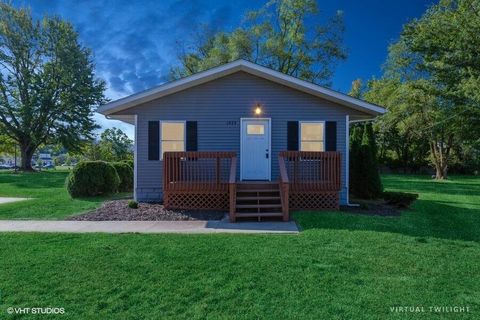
point(449, 210)
point(340, 267)
point(50, 199)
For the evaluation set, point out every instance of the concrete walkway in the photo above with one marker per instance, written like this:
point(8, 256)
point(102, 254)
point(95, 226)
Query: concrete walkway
point(9, 200)
point(147, 226)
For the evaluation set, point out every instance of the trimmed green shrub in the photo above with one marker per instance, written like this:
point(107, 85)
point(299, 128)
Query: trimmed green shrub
point(129, 162)
point(400, 199)
point(92, 178)
point(125, 173)
point(133, 204)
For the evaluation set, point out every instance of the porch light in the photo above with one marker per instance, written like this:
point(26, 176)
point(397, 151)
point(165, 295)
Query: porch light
point(258, 110)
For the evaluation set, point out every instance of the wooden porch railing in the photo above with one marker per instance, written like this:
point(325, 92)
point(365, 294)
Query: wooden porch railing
point(232, 186)
point(314, 178)
point(284, 187)
point(198, 179)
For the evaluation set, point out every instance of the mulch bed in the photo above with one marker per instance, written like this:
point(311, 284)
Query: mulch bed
point(118, 210)
point(373, 208)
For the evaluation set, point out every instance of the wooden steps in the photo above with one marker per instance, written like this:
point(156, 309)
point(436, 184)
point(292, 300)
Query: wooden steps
point(258, 200)
point(258, 215)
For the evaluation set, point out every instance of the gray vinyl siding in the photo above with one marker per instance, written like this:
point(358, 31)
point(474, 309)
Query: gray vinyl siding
point(214, 104)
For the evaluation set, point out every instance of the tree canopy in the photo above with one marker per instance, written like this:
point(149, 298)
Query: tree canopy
point(48, 86)
point(274, 36)
point(113, 145)
point(428, 86)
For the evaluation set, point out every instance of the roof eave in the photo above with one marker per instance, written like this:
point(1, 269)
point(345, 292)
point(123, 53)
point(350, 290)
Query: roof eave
point(232, 67)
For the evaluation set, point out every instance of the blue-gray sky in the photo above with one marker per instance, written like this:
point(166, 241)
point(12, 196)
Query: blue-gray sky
point(136, 42)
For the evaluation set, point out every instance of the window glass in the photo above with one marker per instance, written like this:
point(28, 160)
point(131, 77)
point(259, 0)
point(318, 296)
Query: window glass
point(255, 129)
point(173, 146)
point(173, 136)
point(312, 146)
point(311, 136)
point(173, 131)
point(312, 132)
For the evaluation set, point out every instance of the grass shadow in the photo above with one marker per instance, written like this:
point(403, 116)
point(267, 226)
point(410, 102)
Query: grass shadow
point(34, 180)
point(428, 218)
point(464, 185)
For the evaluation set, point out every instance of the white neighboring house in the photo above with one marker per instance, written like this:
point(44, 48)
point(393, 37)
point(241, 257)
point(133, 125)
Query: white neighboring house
point(45, 159)
point(7, 159)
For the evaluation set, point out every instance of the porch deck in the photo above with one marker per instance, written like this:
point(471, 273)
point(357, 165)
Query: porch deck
point(207, 180)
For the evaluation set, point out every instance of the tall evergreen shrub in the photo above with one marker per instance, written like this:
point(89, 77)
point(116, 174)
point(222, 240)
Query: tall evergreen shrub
point(356, 135)
point(365, 177)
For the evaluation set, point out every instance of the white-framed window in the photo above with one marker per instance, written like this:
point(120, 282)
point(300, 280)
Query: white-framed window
point(172, 136)
point(312, 135)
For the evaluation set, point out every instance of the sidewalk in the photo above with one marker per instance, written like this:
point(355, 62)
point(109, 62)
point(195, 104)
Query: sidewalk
point(9, 200)
point(220, 226)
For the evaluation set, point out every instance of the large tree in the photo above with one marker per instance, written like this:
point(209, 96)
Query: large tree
point(447, 37)
point(431, 81)
point(48, 86)
point(113, 145)
point(399, 132)
point(274, 36)
point(118, 142)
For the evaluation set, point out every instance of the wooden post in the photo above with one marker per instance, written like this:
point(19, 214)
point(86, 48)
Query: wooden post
point(218, 170)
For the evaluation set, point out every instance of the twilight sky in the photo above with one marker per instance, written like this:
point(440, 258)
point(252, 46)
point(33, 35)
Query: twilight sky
point(136, 42)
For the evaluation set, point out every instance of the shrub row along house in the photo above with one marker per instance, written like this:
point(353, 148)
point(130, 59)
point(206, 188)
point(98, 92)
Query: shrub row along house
point(241, 137)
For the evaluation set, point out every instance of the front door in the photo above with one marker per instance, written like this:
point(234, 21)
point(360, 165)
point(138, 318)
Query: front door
point(255, 150)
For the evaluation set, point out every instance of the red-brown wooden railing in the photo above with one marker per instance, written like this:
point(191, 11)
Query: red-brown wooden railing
point(197, 173)
point(232, 186)
point(309, 180)
point(284, 187)
point(312, 171)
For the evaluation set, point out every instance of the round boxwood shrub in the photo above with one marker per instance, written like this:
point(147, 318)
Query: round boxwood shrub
point(125, 173)
point(92, 178)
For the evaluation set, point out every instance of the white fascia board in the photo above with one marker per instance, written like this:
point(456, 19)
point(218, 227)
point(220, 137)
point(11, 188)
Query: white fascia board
point(125, 118)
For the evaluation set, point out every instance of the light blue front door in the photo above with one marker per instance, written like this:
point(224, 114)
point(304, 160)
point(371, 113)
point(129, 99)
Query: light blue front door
point(255, 149)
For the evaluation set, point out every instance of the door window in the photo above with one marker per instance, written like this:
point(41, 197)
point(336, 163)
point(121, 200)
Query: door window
point(255, 129)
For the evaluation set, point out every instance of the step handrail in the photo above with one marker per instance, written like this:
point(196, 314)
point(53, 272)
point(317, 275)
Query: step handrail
point(284, 187)
point(232, 188)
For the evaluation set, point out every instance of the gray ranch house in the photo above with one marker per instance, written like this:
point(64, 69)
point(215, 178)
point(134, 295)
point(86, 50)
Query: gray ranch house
point(243, 138)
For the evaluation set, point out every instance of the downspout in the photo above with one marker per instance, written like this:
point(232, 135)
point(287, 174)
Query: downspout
point(135, 160)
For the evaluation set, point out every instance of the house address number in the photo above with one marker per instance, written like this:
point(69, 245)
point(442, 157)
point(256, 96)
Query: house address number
point(232, 123)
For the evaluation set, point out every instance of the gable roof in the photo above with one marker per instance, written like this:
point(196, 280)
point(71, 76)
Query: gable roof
point(230, 68)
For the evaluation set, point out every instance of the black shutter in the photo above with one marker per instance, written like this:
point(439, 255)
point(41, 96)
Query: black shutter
point(292, 135)
point(331, 136)
point(153, 140)
point(192, 143)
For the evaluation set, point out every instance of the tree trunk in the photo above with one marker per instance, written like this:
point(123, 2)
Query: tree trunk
point(26, 153)
point(440, 155)
point(441, 172)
